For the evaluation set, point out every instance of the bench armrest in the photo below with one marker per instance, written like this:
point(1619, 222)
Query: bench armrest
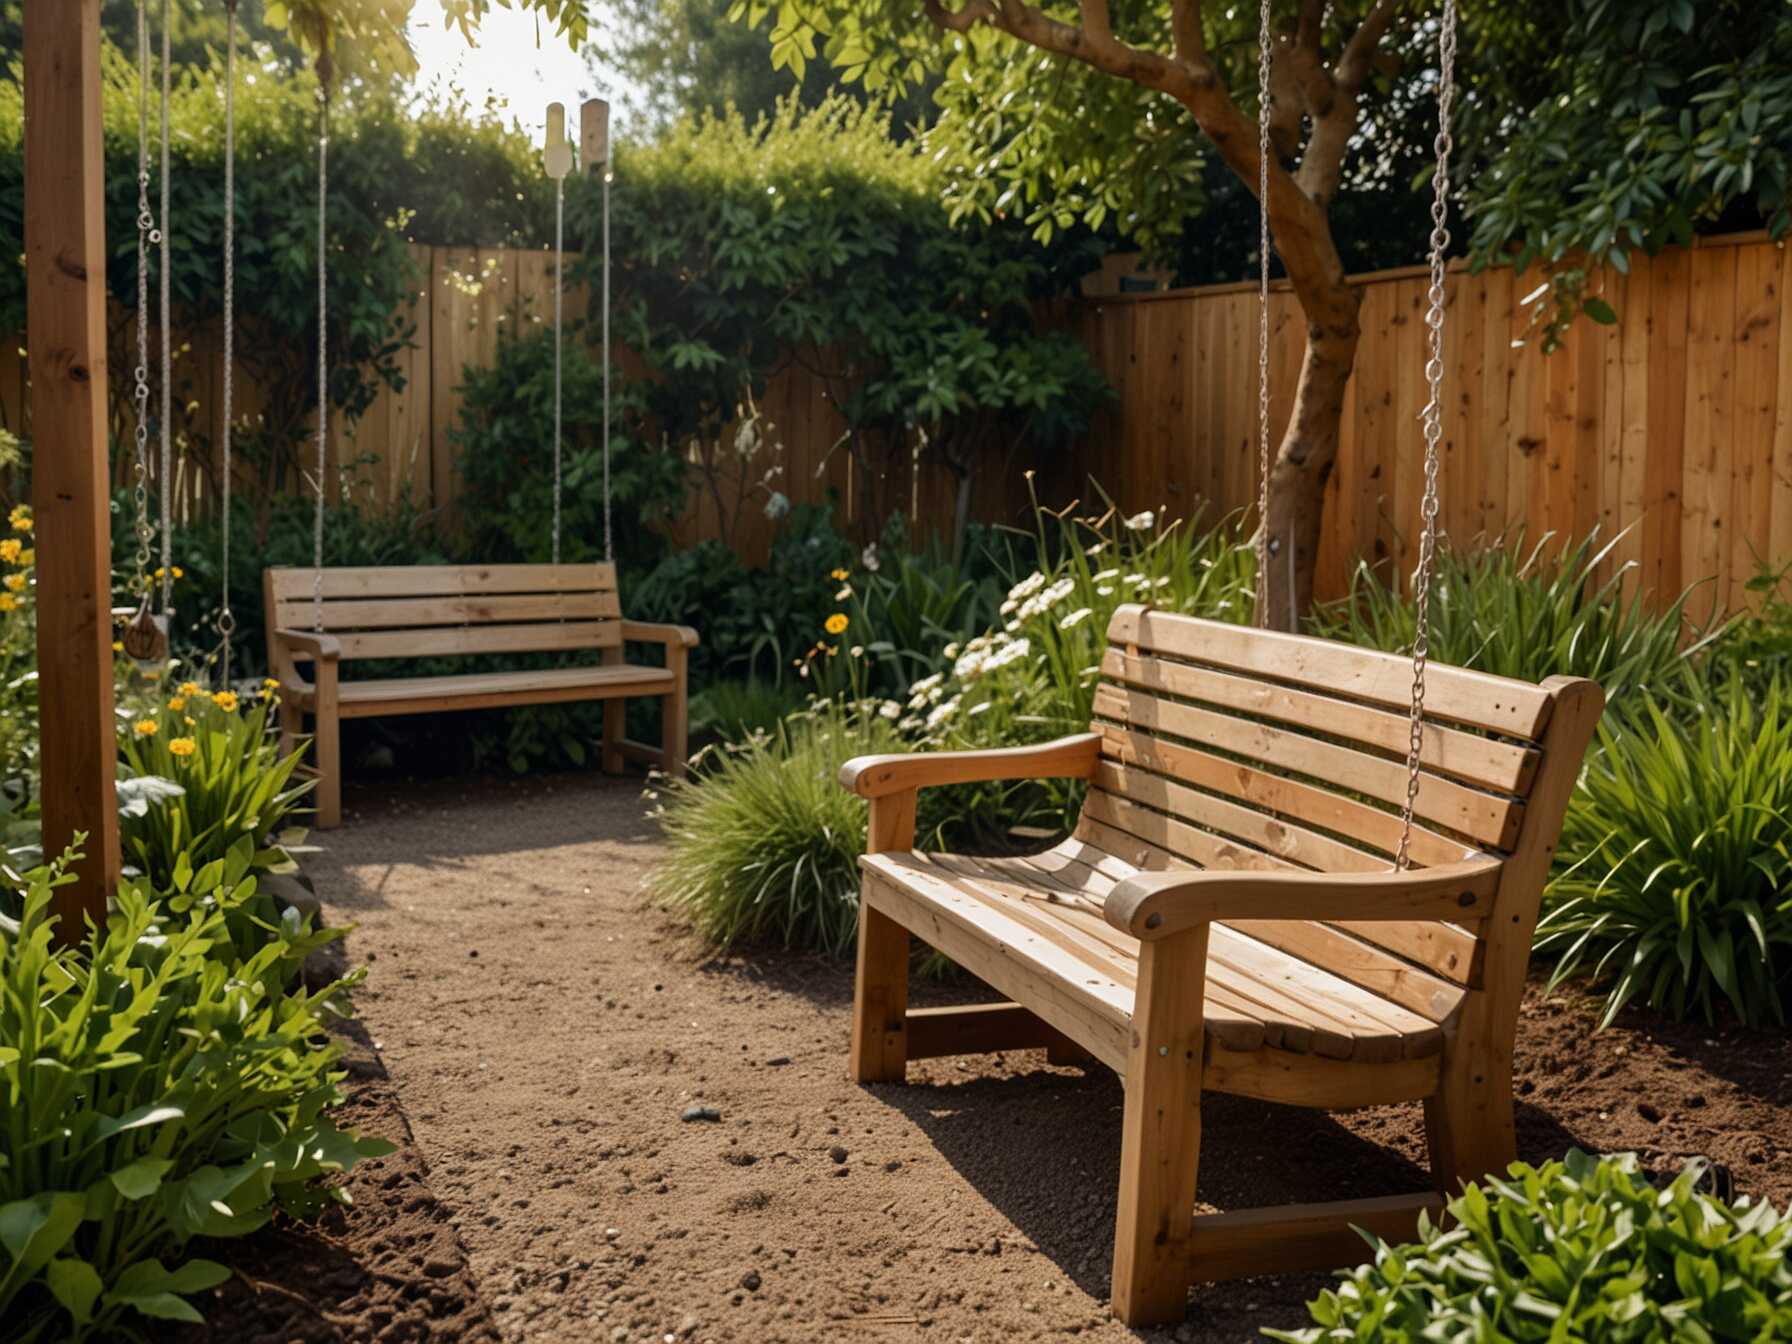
point(651, 632)
point(1156, 905)
point(323, 648)
point(877, 776)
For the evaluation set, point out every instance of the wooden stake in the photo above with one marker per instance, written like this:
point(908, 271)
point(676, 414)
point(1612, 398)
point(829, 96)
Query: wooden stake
point(65, 256)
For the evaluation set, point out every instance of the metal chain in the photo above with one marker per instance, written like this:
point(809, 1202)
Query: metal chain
point(226, 617)
point(166, 484)
point(559, 284)
point(147, 235)
point(323, 367)
point(1432, 419)
point(609, 549)
point(1263, 456)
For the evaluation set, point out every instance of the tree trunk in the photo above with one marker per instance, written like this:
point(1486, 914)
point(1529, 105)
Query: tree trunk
point(1306, 456)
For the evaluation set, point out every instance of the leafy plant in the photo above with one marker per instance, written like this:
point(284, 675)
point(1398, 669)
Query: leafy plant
point(1581, 1249)
point(1528, 614)
point(153, 1089)
point(1758, 644)
point(762, 844)
point(1676, 854)
point(235, 785)
point(736, 711)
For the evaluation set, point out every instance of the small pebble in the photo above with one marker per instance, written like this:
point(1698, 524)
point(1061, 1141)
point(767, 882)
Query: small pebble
point(699, 1112)
point(750, 1280)
point(775, 1061)
point(837, 1153)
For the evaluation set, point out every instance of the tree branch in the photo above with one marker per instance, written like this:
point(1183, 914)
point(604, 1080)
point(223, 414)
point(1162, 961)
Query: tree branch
point(1186, 31)
point(961, 20)
point(1359, 52)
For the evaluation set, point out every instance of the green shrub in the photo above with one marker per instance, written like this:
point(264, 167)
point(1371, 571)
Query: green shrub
point(1525, 614)
point(762, 845)
point(234, 783)
point(1581, 1249)
point(153, 1089)
point(1675, 882)
point(1758, 644)
point(1033, 677)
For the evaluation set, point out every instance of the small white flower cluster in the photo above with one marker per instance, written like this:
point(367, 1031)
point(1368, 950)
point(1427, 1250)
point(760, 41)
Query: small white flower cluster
point(1032, 596)
point(987, 653)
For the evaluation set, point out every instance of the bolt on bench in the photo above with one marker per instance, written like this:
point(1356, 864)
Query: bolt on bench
point(423, 611)
point(1225, 917)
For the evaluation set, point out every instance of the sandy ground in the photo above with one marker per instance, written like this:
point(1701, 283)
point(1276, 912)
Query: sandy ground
point(546, 1033)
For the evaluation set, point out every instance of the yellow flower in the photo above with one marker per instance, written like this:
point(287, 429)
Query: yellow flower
point(20, 518)
point(10, 550)
point(226, 701)
point(190, 721)
point(28, 556)
point(178, 703)
point(182, 746)
point(189, 688)
point(117, 646)
point(271, 683)
point(144, 727)
point(152, 674)
point(15, 583)
point(838, 575)
point(8, 602)
point(836, 624)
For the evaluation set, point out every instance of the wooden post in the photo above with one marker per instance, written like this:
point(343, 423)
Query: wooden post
point(65, 277)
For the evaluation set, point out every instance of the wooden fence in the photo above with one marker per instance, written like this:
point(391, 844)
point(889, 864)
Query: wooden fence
point(1673, 426)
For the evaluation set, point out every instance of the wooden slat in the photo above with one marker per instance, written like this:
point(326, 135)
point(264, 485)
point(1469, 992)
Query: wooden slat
point(393, 613)
point(1485, 762)
point(1126, 823)
point(426, 695)
point(445, 580)
point(976, 1029)
point(1279, 794)
point(1228, 820)
point(1313, 1080)
point(1299, 1237)
point(448, 640)
point(1433, 962)
point(1497, 704)
point(1483, 817)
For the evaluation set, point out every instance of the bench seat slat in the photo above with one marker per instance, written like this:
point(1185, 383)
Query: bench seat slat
point(423, 695)
point(394, 613)
point(1256, 993)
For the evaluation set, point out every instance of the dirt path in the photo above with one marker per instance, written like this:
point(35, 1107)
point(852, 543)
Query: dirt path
point(546, 1035)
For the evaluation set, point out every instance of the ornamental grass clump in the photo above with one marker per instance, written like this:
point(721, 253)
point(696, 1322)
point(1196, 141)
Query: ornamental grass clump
point(1675, 878)
point(1528, 614)
point(1581, 1249)
point(762, 843)
point(155, 1087)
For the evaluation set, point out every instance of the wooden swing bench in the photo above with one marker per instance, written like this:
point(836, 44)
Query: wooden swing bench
point(1225, 918)
point(426, 611)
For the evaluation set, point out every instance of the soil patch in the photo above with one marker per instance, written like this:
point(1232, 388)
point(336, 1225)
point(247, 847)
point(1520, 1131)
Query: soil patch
point(637, 1141)
point(390, 1267)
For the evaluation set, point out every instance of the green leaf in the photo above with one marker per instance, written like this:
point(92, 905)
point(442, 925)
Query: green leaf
point(76, 1285)
point(1600, 311)
point(142, 1178)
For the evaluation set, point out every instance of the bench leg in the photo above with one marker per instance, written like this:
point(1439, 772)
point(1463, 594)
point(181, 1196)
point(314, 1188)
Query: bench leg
point(674, 733)
point(292, 726)
point(1160, 1136)
point(327, 746)
point(1469, 1131)
point(880, 999)
point(615, 720)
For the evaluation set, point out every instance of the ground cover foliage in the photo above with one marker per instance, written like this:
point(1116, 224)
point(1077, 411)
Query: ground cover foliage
point(164, 1074)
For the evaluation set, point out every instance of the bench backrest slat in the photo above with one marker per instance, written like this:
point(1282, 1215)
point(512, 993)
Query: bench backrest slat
point(436, 610)
point(1228, 747)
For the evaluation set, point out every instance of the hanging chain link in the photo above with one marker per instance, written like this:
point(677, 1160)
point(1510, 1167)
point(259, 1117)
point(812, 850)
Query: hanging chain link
point(323, 366)
point(1263, 455)
point(226, 617)
point(609, 549)
point(147, 236)
point(1432, 420)
point(166, 484)
point(559, 286)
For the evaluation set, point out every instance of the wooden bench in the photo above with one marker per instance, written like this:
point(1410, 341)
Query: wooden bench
point(426, 611)
point(1225, 917)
